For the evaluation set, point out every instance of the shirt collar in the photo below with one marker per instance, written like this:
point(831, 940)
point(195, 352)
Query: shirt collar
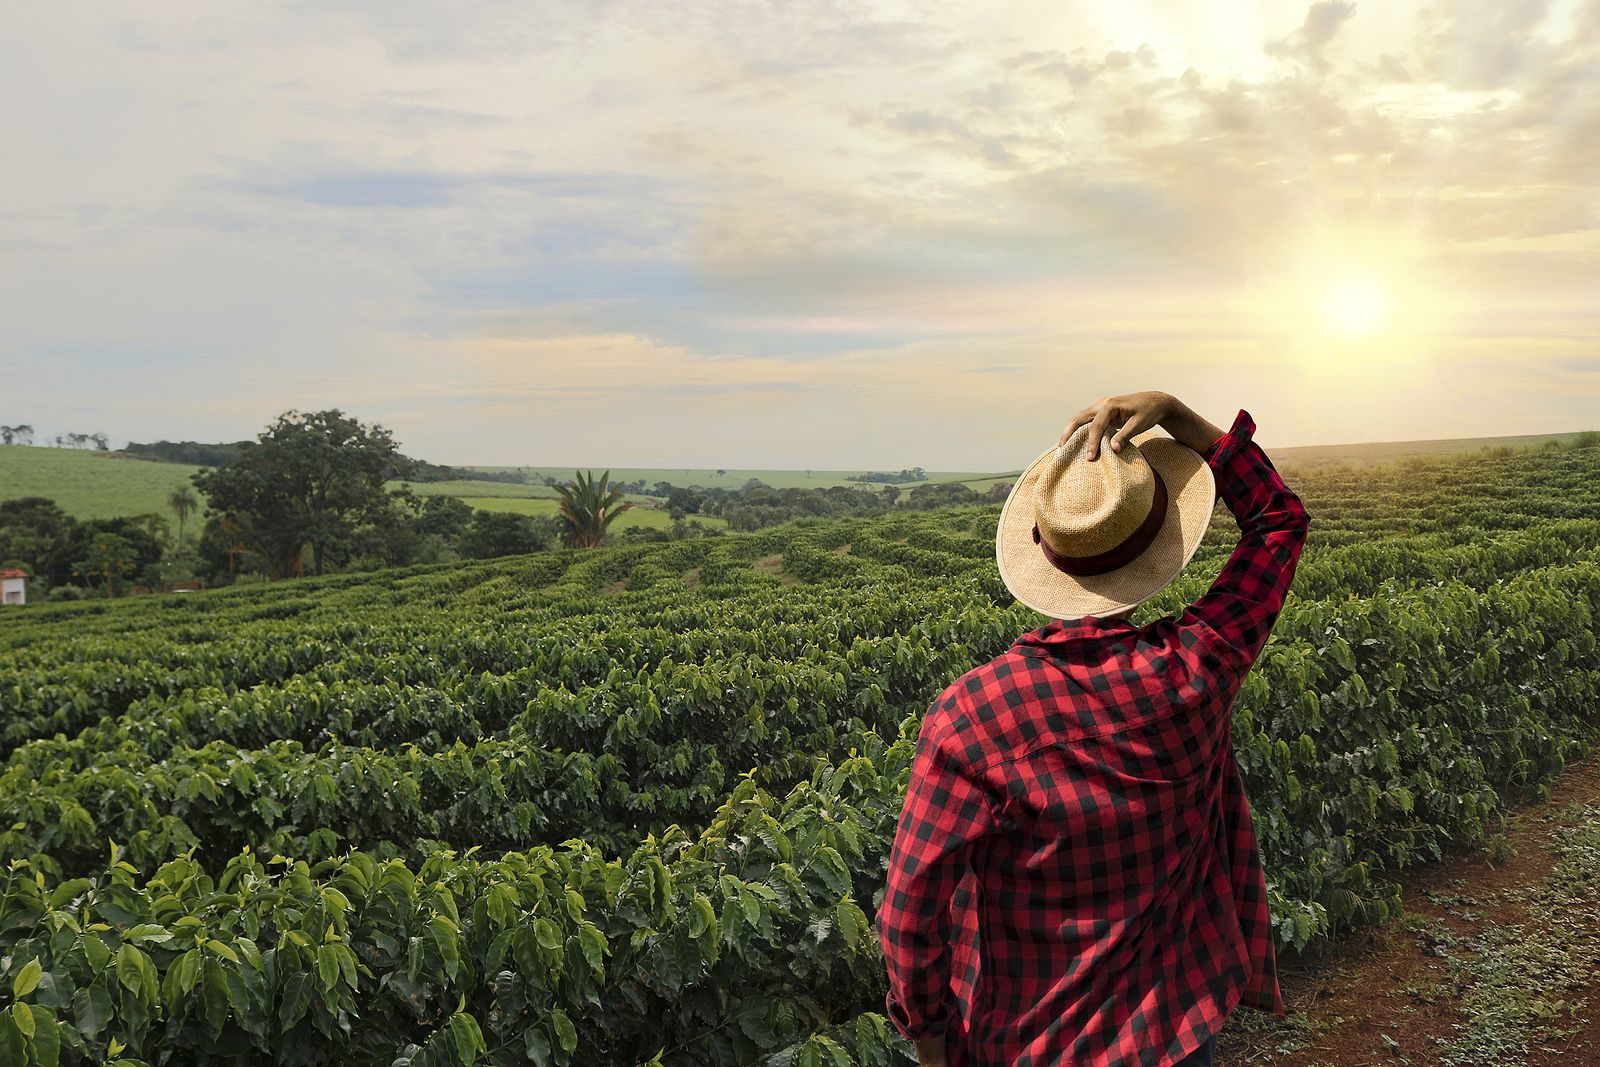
point(1060, 632)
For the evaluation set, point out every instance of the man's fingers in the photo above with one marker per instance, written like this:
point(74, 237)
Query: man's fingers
point(1097, 429)
point(1077, 420)
point(1134, 425)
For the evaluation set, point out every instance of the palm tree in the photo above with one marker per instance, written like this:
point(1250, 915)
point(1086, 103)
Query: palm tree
point(588, 508)
point(183, 503)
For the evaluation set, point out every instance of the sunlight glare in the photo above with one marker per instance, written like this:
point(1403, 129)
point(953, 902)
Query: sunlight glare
point(1356, 307)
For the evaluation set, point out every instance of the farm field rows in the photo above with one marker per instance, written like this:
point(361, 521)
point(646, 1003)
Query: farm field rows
point(632, 805)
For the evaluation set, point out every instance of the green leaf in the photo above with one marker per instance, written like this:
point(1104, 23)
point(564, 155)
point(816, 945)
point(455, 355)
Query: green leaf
point(130, 968)
point(188, 969)
point(565, 1032)
point(46, 1039)
point(23, 1016)
point(147, 932)
point(594, 946)
point(468, 1037)
point(216, 997)
point(13, 1046)
point(297, 992)
point(91, 1010)
point(27, 979)
point(444, 939)
point(537, 1046)
point(753, 1021)
point(328, 968)
point(835, 1051)
point(224, 950)
point(95, 951)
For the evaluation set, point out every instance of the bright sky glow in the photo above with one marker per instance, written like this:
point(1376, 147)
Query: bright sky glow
point(733, 234)
point(1357, 307)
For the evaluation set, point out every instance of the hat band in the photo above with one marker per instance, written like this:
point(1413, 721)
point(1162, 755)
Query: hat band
point(1120, 555)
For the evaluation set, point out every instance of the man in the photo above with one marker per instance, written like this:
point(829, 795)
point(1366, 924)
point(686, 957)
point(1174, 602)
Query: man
point(1075, 880)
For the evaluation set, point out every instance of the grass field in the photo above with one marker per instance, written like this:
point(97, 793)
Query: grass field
point(542, 500)
point(654, 518)
point(463, 487)
point(91, 485)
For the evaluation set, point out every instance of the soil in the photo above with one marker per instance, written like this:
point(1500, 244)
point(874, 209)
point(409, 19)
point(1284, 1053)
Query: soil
point(1495, 963)
point(773, 565)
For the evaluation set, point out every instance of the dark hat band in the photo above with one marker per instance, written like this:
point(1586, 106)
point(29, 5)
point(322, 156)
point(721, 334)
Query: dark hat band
point(1123, 553)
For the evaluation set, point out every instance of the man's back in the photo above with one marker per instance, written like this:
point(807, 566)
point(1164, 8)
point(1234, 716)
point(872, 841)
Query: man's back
point(1080, 790)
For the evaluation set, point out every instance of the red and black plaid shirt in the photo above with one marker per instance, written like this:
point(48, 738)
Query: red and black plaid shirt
point(1075, 878)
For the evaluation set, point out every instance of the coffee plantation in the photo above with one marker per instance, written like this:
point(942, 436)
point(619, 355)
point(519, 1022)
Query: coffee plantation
point(632, 805)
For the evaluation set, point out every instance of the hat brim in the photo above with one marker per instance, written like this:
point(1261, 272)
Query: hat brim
point(1036, 583)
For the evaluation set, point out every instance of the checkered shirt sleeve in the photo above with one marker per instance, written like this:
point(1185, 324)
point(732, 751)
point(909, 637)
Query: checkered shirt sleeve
point(947, 812)
point(1235, 617)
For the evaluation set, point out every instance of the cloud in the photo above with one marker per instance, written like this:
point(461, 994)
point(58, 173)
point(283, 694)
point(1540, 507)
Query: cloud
point(1308, 42)
point(871, 217)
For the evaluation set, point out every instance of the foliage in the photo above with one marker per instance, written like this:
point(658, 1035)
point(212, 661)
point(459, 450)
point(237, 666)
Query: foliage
point(37, 532)
point(633, 805)
point(109, 557)
point(497, 533)
point(183, 503)
point(589, 507)
point(306, 483)
point(191, 453)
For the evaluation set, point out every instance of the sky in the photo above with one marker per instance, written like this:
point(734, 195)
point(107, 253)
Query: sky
point(802, 235)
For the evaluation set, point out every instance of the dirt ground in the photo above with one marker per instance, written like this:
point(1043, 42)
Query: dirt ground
point(1495, 963)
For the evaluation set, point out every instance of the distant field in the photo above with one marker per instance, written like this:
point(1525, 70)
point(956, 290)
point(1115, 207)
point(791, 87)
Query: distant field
point(655, 518)
point(731, 479)
point(91, 485)
point(466, 487)
point(1371, 452)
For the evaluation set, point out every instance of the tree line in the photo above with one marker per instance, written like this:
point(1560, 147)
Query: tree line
point(314, 494)
point(23, 434)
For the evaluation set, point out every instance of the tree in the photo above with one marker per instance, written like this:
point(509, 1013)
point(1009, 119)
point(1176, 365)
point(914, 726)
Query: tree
point(20, 434)
point(685, 500)
point(143, 537)
point(305, 484)
point(110, 556)
point(589, 508)
point(221, 547)
point(35, 530)
point(505, 533)
point(444, 516)
point(183, 503)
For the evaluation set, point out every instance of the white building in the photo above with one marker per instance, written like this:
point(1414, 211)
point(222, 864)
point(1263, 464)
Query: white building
point(13, 586)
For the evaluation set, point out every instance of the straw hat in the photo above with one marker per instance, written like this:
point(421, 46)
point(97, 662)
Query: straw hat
point(1092, 537)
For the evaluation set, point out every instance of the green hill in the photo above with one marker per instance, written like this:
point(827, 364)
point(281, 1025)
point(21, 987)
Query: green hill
point(91, 485)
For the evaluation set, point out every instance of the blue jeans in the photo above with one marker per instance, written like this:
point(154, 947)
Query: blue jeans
point(1200, 1057)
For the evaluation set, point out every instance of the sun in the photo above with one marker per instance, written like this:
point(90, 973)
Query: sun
point(1356, 307)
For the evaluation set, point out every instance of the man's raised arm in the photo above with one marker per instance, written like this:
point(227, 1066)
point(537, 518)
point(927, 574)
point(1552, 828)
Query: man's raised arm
point(1236, 615)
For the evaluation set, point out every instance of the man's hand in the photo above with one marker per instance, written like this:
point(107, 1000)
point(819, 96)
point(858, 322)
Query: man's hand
point(930, 1052)
point(1133, 413)
point(1128, 414)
